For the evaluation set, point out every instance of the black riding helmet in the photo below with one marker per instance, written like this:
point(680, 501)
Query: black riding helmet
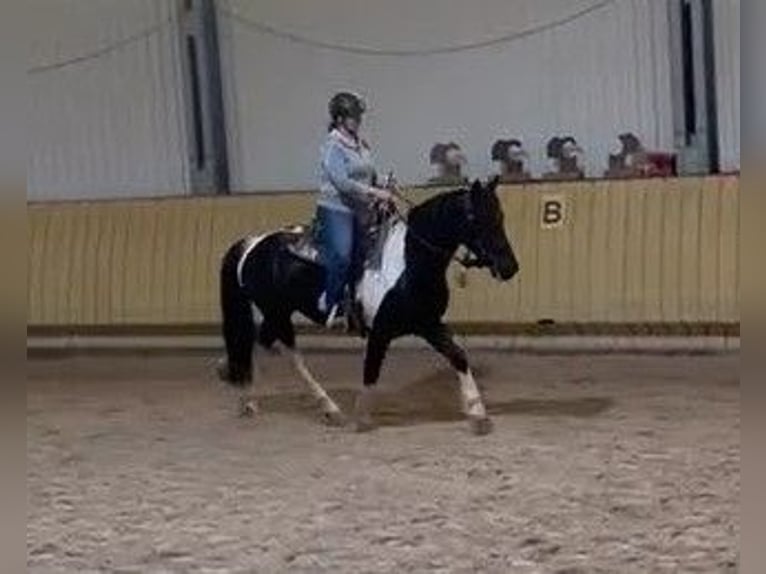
point(346, 105)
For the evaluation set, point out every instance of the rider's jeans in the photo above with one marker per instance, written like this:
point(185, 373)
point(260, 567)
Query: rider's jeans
point(336, 239)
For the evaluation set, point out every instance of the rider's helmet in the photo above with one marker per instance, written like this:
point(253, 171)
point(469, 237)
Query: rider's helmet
point(346, 105)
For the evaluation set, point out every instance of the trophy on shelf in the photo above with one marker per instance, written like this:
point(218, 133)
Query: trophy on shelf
point(564, 153)
point(510, 155)
point(632, 160)
point(449, 161)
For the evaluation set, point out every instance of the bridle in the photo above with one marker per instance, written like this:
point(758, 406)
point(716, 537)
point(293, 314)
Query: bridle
point(467, 261)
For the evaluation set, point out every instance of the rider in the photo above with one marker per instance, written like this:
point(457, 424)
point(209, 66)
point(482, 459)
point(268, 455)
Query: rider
point(346, 195)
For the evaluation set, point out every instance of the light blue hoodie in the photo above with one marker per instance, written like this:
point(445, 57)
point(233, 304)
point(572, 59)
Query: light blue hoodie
point(347, 172)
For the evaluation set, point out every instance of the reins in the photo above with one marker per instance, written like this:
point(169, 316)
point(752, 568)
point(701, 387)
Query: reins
point(467, 261)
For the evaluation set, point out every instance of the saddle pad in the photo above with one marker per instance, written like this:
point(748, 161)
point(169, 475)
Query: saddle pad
point(377, 282)
point(375, 244)
point(302, 245)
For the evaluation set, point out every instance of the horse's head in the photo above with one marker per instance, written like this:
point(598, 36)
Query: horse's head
point(486, 237)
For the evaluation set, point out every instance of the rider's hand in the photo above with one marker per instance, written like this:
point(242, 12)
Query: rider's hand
point(382, 194)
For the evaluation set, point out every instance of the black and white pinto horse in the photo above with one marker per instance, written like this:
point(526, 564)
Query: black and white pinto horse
point(406, 295)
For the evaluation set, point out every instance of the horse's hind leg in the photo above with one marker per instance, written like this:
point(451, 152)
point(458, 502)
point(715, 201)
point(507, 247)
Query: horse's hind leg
point(285, 333)
point(377, 346)
point(440, 338)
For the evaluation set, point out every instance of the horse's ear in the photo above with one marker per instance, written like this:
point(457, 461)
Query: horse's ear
point(476, 186)
point(492, 183)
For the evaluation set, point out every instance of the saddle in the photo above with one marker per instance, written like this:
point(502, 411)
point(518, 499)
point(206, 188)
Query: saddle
point(304, 243)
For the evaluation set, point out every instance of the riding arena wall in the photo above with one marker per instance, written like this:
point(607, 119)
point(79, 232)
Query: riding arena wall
point(646, 256)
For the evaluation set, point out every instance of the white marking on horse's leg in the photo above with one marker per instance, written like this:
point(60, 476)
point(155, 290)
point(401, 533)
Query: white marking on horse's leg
point(324, 400)
point(474, 406)
point(248, 404)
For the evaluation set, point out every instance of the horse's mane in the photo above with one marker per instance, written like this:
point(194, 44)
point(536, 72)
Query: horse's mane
point(437, 203)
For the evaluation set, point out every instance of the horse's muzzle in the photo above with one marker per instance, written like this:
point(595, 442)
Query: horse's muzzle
point(505, 271)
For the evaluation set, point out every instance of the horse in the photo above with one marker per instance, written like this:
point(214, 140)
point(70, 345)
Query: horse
point(407, 295)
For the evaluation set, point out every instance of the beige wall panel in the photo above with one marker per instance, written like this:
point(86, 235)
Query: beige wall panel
point(564, 256)
point(582, 256)
point(57, 266)
point(709, 246)
point(617, 218)
point(525, 232)
point(689, 256)
point(36, 244)
point(142, 257)
point(600, 248)
point(729, 245)
point(510, 293)
point(671, 247)
point(204, 281)
point(118, 278)
point(628, 252)
point(633, 309)
point(652, 254)
point(545, 280)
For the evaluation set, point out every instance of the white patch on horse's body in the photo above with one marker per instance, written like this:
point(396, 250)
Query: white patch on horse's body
point(251, 243)
point(376, 283)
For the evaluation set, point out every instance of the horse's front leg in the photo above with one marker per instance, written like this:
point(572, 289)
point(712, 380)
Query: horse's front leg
point(440, 338)
point(377, 346)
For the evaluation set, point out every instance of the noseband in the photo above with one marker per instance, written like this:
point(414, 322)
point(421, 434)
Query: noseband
point(471, 259)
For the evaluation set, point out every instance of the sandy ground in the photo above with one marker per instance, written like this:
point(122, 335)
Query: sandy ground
point(597, 464)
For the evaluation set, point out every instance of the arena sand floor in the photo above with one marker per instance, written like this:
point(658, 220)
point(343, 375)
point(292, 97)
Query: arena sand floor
point(598, 463)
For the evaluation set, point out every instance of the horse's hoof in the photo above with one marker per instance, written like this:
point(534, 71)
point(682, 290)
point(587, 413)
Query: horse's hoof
point(222, 370)
point(247, 410)
point(481, 426)
point(333, 418)
point(364, 425)
point(273, 351)
point(363, 410)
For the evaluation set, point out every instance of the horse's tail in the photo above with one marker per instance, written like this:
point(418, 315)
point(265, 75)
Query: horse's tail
point(239, 328)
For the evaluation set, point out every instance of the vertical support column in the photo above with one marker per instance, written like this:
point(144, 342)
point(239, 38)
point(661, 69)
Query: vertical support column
point(693, 80)
point(203, 91)
point(709, 85)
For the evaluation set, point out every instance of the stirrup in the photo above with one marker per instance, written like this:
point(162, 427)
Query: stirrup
point(355, 321)
point(333, 316)
point(322, 302)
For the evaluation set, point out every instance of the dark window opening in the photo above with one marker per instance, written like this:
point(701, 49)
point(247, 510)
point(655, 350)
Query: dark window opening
point(687, 49)
point(199, 135)
point(710, 85)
